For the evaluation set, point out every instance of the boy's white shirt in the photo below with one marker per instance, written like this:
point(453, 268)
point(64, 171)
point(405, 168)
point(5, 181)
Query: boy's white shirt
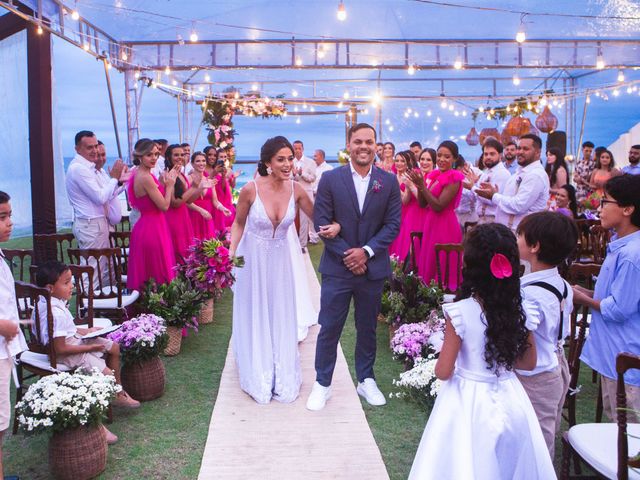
point(9, 311)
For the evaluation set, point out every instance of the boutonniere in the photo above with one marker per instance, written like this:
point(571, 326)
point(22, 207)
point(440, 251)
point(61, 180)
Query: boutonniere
point(376, 186)
point(518, 181)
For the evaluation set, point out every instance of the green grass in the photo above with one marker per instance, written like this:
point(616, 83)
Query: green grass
point(165, 438)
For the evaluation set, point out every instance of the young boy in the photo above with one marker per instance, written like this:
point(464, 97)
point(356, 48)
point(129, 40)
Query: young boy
point(545, 240)
point(11, 339)
point(71, 350)
point(615, 302)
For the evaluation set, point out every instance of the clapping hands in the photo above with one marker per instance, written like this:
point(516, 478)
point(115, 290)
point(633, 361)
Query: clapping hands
point(120, 171)
point(486, 190)
point(169, 178)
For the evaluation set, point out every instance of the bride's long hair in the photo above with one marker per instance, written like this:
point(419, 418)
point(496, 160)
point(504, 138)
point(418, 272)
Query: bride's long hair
point(269, 150)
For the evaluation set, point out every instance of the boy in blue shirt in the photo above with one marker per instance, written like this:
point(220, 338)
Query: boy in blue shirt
point(615, 302)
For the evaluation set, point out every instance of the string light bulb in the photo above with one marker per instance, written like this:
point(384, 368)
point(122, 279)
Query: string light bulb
point(207, 78)
point(342, 12)
point(136, 75)
point(294, 93)
point(254, 87)
point(411, 70)
point(345, 95)
point(75, 15)
point(193, 37)
point(521, 36)
point(124, 56)
point(298, 62)
point(457, 64)
point(516, 79)
point(39, 30)
point(620, 76)
point(86, 46)
point(167, 70)
point(600, 62)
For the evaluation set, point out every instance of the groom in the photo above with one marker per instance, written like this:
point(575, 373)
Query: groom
point(365, 201)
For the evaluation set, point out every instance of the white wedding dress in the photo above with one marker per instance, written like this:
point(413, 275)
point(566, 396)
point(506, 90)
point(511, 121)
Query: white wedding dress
point(266, 306)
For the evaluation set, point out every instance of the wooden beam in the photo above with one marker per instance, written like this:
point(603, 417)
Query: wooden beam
point(11, 24)
point(43, 196)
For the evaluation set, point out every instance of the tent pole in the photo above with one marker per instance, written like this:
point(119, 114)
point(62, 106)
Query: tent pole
point(584, 117)
point(130, 94)
point(113, 110)
point(179, 123)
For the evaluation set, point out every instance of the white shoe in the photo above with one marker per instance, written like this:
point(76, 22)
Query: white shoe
point(318, 397)
point(371, 393)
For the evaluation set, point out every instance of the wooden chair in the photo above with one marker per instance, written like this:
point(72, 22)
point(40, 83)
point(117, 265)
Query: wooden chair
point(605, 446)
point(443, 277)
point(110, 297)
point(84, 315)
point(121, 240)
point(18, 261)
point(53, 246)
point(414, 249)
point(585, 249)
point(40, 360)
point(124, 225)
point(599, 238)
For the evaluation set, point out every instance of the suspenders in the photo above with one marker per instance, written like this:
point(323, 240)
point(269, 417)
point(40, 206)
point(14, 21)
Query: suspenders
point(560, 296)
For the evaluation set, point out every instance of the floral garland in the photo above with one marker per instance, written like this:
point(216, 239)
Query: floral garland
point(218, 114)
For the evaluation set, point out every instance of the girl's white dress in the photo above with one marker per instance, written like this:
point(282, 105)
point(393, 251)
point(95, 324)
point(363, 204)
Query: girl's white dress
point(482, 425)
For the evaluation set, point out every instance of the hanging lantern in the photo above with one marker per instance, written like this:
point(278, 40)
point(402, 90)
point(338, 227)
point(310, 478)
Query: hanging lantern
point(518, 126)
point(489, 132)
point(546, 122)
point(472, 137)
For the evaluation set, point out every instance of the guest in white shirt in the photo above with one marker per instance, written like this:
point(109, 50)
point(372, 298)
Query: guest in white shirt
point(494, 173)
point(525, 192)
point(11, 338)
point(114, 214)
point(321, 167)
point(545, 240)
point(186, 149)
point(305, 175)
point(90, 197)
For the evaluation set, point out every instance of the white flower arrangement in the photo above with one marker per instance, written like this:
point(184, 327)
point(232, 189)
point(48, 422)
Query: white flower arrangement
point(420, 383)
point(65, 401)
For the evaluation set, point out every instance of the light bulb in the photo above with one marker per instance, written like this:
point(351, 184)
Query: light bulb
point(167, 70)
point(86, 47)
point(621, 76)
point(520, 36)
point(391, 128)
point(207, 78)
point(481, 109)
point(345, 95)
point(75, 15)
point(174, 83)
point(435, 127)
point(464, 113)
point(124, 56)
point(588, 100)
point(456, 113)
point(193, 37)
point(340, 105)
point(406, 114)
point(298, 120)
point(411, 70)
point(457, 64)
point(451, 107)
point(616, 92)
point(236, 95)
point(428, 113)
point(321, 53)
point(516, 79)
point(600, 62)
point(416, 114)
point(294, 93)
point(298, 62)
point(136, 75)
point(108, 65)
point(39, 30)
point(443, 104)
point(342, 12)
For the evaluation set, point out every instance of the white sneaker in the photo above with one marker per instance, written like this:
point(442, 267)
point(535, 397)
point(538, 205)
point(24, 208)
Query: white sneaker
point(371, 393)
point(318, 397)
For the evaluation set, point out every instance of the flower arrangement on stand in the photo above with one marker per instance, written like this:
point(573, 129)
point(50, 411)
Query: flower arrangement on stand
point(178, 303)
point(413, 341)
point(141, 341)
point(592, 202)
point(343, 157)
point(209, 268)
point(218, 114)
point(71, 407)
point(419, 384)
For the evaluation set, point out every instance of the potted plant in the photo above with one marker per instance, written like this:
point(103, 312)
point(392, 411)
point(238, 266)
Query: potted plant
point(141, 340)
point(178, 303)
point(72, 408)
point(209, 268)
point(419, 384)
point(413, 341)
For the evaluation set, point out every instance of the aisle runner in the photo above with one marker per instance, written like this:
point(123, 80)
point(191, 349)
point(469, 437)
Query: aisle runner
point(286, 441)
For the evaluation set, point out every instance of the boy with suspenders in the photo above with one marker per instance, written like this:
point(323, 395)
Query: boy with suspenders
point(545, 240)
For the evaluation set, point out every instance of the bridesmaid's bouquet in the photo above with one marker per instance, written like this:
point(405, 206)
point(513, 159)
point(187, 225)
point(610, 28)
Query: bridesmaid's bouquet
point(209, 266)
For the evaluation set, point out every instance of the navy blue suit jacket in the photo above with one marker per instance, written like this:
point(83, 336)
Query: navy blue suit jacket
point(376, 226)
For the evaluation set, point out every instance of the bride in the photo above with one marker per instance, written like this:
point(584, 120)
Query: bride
point(265, 331)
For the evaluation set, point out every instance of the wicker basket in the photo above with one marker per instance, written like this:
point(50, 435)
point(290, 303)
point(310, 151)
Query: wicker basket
point(175, 340)
point(206, 312)
point(78, 453)
point(144, 381)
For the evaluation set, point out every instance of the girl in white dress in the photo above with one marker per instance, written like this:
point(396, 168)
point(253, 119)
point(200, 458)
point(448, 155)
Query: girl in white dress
point(483, 425)
point(265, 330)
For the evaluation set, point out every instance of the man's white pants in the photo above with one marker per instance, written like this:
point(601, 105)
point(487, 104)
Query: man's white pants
point(94, 233)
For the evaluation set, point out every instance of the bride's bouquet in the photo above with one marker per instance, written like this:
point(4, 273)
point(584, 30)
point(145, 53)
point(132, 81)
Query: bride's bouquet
point(210, 267)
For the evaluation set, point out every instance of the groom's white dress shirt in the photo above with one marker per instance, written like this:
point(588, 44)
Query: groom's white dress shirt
point(361, 184)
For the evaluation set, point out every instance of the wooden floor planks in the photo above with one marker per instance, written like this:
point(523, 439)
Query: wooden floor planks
point(286, 441)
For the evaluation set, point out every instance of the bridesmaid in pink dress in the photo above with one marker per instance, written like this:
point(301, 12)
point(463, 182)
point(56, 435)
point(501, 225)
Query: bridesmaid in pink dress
point(412, 217)
point(222, 221)
point(203, 208)
point(441, 225)
point(151, 250)
point(180, 226)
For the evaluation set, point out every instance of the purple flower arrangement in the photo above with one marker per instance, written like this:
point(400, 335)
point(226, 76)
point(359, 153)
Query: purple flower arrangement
point(209, 266)
point(412, 340)
point(141, 338)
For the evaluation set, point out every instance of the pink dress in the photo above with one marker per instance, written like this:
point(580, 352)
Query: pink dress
point(180, 227)
point(150, 250)
point(203, 229)
point(225, 197)
point(440, 227)
point(411, 220)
